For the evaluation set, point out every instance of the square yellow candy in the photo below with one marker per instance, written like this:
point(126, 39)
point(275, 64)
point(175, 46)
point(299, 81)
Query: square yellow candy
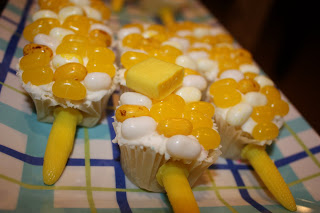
point(155, 78)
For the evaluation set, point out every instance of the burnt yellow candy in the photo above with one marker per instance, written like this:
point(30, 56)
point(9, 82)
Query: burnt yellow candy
point(130, 111)
point(37, 48)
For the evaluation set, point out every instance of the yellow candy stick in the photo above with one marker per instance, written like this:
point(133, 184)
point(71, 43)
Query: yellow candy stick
point(117, 5)
point(166, 15)
point(60, 143)
point(268, 172)
point(173, 176)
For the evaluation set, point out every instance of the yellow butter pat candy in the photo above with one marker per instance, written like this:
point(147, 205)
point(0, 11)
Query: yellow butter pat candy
point(155, 78)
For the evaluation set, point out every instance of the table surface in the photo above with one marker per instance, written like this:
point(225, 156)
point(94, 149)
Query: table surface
point(93, 179)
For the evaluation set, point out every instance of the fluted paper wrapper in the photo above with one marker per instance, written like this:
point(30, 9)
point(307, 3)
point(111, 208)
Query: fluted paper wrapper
point(233, 140)
point(141, 164)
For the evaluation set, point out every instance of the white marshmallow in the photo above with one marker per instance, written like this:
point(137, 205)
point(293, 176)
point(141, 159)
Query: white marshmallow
point(134, 128)
point(239, 114)
point(183, 147)
point(96, 81)
point(134, 98)
point(234, 74)
point(263, 81)
point(189, 94)
point(59, 33)
point(255, 99)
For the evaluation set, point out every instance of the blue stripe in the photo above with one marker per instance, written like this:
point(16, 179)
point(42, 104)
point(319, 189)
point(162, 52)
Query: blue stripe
point(244, 192)
point(9, 20)
point(119, 175)
point(9, 53)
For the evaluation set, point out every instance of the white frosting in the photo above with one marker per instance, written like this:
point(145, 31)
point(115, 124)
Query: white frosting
point(189, 94)
point(186, 61)
point(134, 98)
point(183, 147)
point(196, 81)
point(96, 81)
point(44, 14)
point(234, 74)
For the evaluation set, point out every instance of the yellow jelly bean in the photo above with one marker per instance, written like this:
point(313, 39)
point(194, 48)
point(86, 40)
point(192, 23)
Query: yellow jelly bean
point(265, 131)
point(31, 61)
point(207, 137)
point(69, 89)
point(225, 96)
point(162, 111)
point(37, 48)
point(43, 25)
point(130, 58)
point(201, 106)
point(130, 111)
point(174, 126)
point(262, 114)
point(248, 85)
point(198, 119)
point(101, 55)
point(279, 107)
point(102, 36)
point(73, 71)
point(96, 66)
point(78, 24)
point(38, 75)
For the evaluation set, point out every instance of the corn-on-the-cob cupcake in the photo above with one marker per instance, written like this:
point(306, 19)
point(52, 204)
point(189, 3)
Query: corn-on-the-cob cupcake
point(69, 72)
point(164, 139)
point(249, 111)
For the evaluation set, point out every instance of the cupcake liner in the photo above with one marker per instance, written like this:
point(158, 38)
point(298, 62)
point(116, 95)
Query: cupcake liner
point(233, 140)
point(141, 164)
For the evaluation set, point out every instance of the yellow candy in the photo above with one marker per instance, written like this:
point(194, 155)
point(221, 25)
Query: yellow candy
point(174, 126)
point(155, 78)
point(54, 5)
point(133, 40)
point(129, 58)
point(73, 71)
point(207, 137)
point(225, 96)
point(78, 24)
point(101, 7)
point(271, 92)
point(262, 114)
point(166, 53)
point(34, 60)
point(279, 107)
point(175, 101)
point(72, 48)
point(38, 75)
point(140, 26)
point(265, 131)
point(130, 111)
point(250, 75)
point(69, 89)
point(43, 25)
point(162, 111)
point(224, 82)
point(76, 38)
point(201, 106)
point(102, 36)
point(97, 66)
point(248, 85)
point(188, 71)
point(101, 55)
point(37, 48)
point(198, 119)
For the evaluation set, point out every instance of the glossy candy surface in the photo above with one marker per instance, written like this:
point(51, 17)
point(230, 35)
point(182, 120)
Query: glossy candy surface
point(248, 85)
point(31, 61)
point(130, 58)
point(265, 131)
point(225, 96)
point(73, 71)
point(207, 137)
point(130, 111)
point(96, 66)
point(198, 119)
point(174, 126)
point(37, 48)
point(262, 114)
point(69, 89)
point(201, 106)
point(43, 25)
point(38, 75)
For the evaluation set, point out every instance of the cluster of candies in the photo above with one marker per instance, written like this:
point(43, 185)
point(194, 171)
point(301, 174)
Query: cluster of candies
point(70, 48)
point(171, 117)
point(142, 42)
point(250, 102)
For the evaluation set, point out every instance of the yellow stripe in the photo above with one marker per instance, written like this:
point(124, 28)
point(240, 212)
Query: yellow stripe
point(304, 179)
point(305, 148)
point(14, 89)
point(218, 193)
point(88, 170)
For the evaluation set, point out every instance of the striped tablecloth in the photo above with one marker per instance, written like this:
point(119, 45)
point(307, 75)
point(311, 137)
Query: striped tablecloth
point(93, 179)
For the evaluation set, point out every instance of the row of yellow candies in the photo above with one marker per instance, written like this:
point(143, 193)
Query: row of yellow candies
point(227, 93)
point(175, 117)
point(57, 5)
point(67, 77)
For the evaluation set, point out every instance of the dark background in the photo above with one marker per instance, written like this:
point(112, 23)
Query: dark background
point(283, 37)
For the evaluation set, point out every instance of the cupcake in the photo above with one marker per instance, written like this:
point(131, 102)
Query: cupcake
point(69, 72)
point(160, 132)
